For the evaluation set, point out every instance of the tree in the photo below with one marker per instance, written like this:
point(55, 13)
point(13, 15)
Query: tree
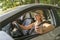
point(54, 1)
point(37, 1)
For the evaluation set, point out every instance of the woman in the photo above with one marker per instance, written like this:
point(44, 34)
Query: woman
point(39, 18)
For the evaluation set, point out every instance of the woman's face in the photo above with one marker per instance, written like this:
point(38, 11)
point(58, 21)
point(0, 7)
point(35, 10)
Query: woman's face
point(38, 17)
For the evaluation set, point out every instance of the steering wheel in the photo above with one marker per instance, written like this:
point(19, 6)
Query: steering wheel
point(18, 27)
point(26, 20)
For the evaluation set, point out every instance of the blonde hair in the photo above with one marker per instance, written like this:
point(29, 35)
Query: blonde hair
point(40, 12)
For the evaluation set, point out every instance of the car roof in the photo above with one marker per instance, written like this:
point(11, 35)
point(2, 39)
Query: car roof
point(23, 7)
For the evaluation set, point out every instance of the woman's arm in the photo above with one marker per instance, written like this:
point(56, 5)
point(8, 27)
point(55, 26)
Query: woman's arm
point(27, 27)
point(47, 27)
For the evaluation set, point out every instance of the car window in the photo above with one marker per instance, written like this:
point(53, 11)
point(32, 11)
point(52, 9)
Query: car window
point(58, 12)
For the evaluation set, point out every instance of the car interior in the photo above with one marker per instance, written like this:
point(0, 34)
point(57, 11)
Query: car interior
point(27, 18)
